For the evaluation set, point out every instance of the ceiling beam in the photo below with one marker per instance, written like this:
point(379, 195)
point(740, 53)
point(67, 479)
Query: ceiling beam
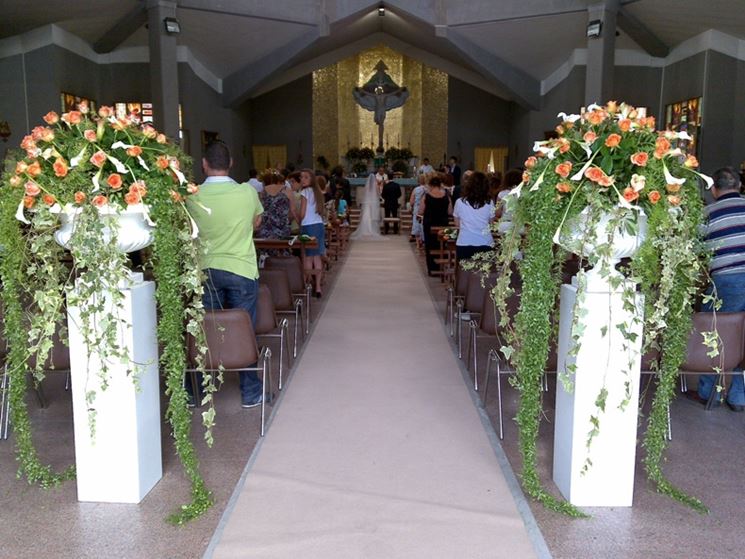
point(480, 13)
point(303, 13)
point(525, 90)
point(121, 30)
point(641, 34)
point(238, 86)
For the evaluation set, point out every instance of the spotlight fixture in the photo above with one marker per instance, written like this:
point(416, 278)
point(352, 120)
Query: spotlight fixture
point(593, 28)
point(381, 11)
point(173, 27)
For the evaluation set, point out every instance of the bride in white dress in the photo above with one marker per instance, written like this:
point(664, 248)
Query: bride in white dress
point(369, 226)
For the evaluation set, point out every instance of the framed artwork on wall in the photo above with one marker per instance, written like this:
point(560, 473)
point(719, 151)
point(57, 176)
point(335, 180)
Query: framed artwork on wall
point(685, 116)
point(70, 102)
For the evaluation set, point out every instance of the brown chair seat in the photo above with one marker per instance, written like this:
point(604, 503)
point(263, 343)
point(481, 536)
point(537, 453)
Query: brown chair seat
point(267, 326)
point(296, 276)
point(284, 303)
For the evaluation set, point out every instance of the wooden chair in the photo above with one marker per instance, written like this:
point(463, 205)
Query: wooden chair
point(231, 347)
point(284, 303)
point(267, 326)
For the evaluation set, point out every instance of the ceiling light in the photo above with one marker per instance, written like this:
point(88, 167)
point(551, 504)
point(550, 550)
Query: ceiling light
point(381, 11)
point(172, 26)
point(594, 27)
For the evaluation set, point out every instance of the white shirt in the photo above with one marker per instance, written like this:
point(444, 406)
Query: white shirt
point(311, 213)
point(256, 183)
point(426, 169)
point(474, 223)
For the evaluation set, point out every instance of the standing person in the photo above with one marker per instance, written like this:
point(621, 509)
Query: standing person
point(279, 211)
point(725, 236)
point(415, 201)
point(254, 181)
point(473, 213)
point(292, 185)
point(342, 183)
point(391, 194)
point(227, 213)
point(311, 224)
point(435, 209)
point(454, 169)
point(381, 177)
point(425, 168)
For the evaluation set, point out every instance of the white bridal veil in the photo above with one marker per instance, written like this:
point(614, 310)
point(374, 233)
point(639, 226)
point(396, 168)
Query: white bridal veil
point(369, 226)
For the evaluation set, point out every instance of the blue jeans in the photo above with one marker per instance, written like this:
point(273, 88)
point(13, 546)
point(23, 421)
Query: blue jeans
point(731, 291)
point(226, 290)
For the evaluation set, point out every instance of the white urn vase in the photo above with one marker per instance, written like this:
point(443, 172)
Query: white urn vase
point(586, 239)
point(129, 228)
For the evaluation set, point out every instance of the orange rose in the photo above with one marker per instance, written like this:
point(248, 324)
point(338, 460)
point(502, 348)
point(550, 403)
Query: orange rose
point(612, 107)
point(34, 169)
point(132, 198)
point(674, 200)
point(114, 181)
point(650, 122)
point(161, 138)
point(28, 202)
point(99, 201)
point(594, 173)
point(691, 162)
point(530, 162)
point(624, 124)
point(98, 158)
point(31, 188)
point(612, 140)
point(640, 159)
point(80, 197)
point(590, 137)
point(83, 107)
point(162, 162)
point(36, 133)
point(73, 117)
point(662, 144)
point(654, 196)
point(176, 197)
point(596, 117)
point(105, 111)
point(138, 187)
point(560, 130)
point(192, 188)
point(60, 167)
point(134, 151)
point(47, 135)
point(564, 145)
point(673, 188)
point(149, 132)
point(51, 117)
point(563, 169)
point(564, 187)
point(21, 167)
point(15, 180)
point(629, 194)
point(658, 154)
point(121, 124)
point(48, 199)
point(90, 135)
point(526, 177)
point(28, 143)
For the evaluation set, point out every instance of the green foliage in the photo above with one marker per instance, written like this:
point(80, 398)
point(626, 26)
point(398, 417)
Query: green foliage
point(58, 172)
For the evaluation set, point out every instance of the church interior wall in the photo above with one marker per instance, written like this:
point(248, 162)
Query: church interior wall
point(475, 118)
point(12, 100)
point(285, 116)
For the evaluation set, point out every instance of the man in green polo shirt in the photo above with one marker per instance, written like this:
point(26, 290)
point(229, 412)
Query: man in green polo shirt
point(227, 213)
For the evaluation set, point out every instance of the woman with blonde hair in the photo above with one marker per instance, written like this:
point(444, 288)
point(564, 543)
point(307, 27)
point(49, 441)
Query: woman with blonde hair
point(311, 224)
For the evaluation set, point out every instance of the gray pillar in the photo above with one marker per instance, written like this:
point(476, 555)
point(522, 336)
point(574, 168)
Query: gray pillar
point(601, 53)
point(163, 67)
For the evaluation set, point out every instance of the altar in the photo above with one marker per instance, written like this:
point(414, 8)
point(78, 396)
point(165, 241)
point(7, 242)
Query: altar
point(358, 189)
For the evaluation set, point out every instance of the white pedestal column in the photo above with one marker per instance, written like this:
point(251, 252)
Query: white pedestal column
point(123, 462)
point(601, 361)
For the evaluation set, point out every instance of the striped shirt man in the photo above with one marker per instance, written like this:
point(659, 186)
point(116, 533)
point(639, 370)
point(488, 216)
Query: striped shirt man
point(725, 233)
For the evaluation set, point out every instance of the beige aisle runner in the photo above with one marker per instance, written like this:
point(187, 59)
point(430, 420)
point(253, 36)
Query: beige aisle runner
point(377, 450)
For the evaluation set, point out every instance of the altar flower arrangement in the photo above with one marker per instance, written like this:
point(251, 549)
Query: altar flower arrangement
point(607, 165)
point(72, 180)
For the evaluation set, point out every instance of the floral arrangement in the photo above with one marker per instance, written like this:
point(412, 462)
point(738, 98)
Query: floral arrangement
point(88, 168)
point(608, 166)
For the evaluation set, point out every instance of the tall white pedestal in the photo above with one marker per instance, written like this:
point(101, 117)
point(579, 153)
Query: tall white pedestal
point(609, 481)
point(123, 462)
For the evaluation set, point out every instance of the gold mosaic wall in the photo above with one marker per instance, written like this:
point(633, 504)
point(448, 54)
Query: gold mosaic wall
point(339, 123)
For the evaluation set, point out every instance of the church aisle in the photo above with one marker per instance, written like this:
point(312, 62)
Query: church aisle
point(377, 449)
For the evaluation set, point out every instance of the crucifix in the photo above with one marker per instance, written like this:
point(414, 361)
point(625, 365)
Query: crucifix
point(380, 94)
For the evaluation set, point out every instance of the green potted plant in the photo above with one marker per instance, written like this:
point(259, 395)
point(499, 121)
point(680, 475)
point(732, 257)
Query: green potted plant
point(607, 174)
point(87, 181)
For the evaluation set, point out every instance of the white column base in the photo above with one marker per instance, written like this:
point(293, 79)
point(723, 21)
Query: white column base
point(609, 481)
point(123, 462)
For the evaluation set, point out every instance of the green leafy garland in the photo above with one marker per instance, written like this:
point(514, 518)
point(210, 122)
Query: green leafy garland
point(76, 165)
point(608, 160)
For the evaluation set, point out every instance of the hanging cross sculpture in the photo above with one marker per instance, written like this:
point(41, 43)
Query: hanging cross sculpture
point(380, 95)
